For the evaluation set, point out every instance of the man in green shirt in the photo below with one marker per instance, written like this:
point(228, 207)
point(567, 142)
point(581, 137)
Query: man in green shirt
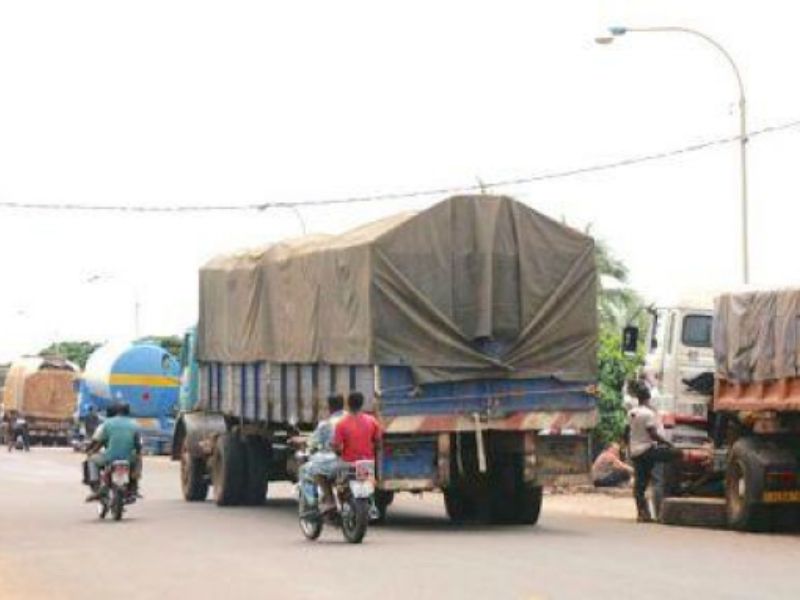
point(119, 436)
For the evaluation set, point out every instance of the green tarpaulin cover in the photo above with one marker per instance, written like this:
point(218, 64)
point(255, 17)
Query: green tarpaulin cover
point(475, 286)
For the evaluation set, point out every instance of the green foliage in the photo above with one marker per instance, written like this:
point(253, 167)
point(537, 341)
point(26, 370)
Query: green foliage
point(617, 305)
point(74, 351)
point(614, 369)
point(170, 343)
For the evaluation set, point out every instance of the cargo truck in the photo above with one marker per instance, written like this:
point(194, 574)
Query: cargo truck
point(470, 328)
point(144, 375)
point(41, 390)
point(679, 366)
point(748, 474)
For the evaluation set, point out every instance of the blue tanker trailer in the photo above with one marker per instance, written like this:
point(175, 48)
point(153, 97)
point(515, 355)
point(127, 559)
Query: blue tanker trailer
point(142, 374)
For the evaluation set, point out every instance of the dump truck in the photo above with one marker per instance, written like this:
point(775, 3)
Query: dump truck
point(144, 375)
point(748, 476)
point(42, 391)
point(470, 328)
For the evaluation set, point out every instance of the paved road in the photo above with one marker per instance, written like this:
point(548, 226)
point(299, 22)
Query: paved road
point(53, 546)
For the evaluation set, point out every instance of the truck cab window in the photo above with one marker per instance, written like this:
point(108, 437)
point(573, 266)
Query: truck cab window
point(696, 331)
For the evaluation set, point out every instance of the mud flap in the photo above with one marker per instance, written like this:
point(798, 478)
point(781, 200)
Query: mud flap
point(562, 459)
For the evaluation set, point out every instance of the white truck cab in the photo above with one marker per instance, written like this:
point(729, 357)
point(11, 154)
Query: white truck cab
point(678, 349)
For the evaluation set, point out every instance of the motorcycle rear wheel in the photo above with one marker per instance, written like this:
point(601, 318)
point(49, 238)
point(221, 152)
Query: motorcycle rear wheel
point(355, 518)
point(117, 504)
point(102, 508)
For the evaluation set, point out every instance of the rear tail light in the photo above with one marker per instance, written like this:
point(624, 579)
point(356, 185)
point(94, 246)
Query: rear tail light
point(782, 480)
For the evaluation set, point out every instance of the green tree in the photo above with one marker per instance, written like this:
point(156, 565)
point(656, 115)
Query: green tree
point(617, 305)
point(74, 351)
point(614, 369)
point(170, 343)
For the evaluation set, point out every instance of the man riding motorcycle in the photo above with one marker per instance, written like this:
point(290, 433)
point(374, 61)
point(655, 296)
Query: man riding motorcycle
point(323, 462)
point(357, 434)
point(120, 437)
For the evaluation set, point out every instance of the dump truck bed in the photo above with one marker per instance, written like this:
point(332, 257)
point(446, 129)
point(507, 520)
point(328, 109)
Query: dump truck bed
point(757, 351)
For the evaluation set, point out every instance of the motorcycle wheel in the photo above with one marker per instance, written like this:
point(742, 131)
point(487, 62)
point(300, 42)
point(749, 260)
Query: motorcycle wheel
point(311, 526)
point(117, 504)
point(355, 518)
point(102, 508)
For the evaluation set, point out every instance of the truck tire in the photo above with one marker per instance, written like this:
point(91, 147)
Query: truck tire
point(469, 503)
point(382, 501)
point(743, 488)
point(194, 483)
point(458, 507)
point(257, 472)
point(228, 470)
point(531, 505)
point(513, 501)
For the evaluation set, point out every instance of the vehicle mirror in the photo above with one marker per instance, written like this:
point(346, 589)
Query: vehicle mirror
point(630, 339)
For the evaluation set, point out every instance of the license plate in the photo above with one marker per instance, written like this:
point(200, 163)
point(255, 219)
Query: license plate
point(362, 489)
point(120, 478)
point(782, 496)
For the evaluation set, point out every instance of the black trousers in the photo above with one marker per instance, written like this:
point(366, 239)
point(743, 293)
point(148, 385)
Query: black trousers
point(643, 466)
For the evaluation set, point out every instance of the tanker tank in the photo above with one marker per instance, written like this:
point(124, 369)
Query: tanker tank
point(144, 375)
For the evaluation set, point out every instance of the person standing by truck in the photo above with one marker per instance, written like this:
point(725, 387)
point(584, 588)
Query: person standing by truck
point(646, 446)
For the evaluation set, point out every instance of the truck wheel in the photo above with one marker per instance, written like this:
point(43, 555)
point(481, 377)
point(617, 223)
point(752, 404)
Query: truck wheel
point(467, 503)
point(194, 483)
point(530, 506)
point(255, 488)
point(455, 505)
point(743, 487)
point(228, 470)
point(382, 501)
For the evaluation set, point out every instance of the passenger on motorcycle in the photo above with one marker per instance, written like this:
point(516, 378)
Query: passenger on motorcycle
point(357, 434)
point(323, 463)
point(120, 437)
point(19, 429)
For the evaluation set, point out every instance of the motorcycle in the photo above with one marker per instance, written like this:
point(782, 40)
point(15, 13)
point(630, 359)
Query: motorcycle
point(353, 493)
point(115, 492)
point(17, 442)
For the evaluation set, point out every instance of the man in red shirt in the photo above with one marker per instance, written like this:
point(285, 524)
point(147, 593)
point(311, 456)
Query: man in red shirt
point(357, 433)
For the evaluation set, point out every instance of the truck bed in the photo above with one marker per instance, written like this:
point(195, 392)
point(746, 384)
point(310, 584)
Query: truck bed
point(286, 394)
point(781, 395)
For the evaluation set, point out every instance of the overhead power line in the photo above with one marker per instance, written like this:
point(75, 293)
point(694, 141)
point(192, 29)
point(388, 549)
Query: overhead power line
point(478, 187)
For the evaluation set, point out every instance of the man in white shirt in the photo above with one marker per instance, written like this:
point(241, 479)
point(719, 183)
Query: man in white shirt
point(647, 447)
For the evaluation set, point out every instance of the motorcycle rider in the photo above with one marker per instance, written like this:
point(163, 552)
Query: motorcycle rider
point(120, 437)
point(357, 434)
point(323, 462)
point(19, 428)
point(91, 422)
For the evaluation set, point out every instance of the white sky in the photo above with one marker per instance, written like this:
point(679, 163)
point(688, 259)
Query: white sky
point(189, 102)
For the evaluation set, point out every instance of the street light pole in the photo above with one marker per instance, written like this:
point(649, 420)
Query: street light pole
point(137, 305)
point(619, 31)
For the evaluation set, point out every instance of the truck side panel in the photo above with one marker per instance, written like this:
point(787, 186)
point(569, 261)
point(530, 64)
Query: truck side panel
point(279, 394)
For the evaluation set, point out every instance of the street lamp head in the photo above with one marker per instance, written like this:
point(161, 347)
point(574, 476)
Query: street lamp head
point(617, 31)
